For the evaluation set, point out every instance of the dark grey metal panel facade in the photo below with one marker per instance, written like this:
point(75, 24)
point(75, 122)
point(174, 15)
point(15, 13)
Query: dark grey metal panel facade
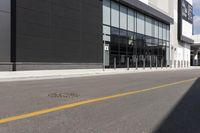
point(68, 31)
point(5, 66)
point(147, 10)
point(5, 31)
point(5, 5)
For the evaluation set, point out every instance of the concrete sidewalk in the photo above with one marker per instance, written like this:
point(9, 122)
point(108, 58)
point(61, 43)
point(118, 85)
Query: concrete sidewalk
point(60, 74)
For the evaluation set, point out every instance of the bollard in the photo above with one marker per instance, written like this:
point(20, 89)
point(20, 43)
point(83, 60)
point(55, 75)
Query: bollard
point(150, 63)
point(14, 66)
point(161, 63)
point(144, 63)
point(179, 64)
point(115, 66)
point(136, 65)
point(127, 63)
point(184, 63)
point(156, 62)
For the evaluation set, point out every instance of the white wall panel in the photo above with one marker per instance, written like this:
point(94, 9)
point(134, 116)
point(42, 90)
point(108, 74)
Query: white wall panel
point(190, 1)
point(106, 12)
point(145, 1)
point(186, 29)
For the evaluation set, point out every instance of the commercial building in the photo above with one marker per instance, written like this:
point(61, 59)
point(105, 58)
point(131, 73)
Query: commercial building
point(69, 34)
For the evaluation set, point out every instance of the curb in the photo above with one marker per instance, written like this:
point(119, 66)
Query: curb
point(63, 74)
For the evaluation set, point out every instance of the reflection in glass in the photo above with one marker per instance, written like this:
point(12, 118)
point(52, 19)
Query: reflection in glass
point(114, 14)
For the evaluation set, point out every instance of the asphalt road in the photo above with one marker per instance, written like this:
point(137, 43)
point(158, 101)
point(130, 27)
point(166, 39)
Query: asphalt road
point(155, 102)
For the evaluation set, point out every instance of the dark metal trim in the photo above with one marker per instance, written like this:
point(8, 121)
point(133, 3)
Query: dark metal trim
point(179, 20)
point(55, 66)
point(148, 10)
point(13, 34)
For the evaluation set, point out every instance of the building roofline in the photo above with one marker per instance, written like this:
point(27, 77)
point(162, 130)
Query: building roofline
point(144, 8)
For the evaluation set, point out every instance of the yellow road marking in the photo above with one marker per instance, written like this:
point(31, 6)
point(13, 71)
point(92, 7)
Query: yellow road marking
point(45, 111)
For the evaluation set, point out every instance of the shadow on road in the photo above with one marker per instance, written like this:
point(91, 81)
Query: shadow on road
point(185, 117)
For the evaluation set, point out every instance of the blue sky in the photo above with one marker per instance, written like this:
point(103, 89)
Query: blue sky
point(196, 11)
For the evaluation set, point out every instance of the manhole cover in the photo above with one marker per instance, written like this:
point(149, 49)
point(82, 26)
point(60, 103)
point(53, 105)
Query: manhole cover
point(63, 95)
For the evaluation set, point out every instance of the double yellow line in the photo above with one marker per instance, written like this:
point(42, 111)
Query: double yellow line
point(67, 106)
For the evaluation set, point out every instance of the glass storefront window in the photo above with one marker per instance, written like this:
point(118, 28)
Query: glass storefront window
point(154, 41)
point(106, 33)
point(160, 42)
point(115, 14)
point(148, 28)
point(148, 41)
point(114, 40)
point(123, 41)
point(160, 30)
point(114, 31)
point(167, 43)
point(106, 30)
point(134, 36)
point(123, 17)
point(131, 19)
point(164, 43)
point(123, 33)
point(106, 12)
point(140, 23)
point(155, 29)
point(168, 32)
point(164, 32)
point(131, 35)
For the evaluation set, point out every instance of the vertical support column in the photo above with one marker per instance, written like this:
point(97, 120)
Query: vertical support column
point(13, 34)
